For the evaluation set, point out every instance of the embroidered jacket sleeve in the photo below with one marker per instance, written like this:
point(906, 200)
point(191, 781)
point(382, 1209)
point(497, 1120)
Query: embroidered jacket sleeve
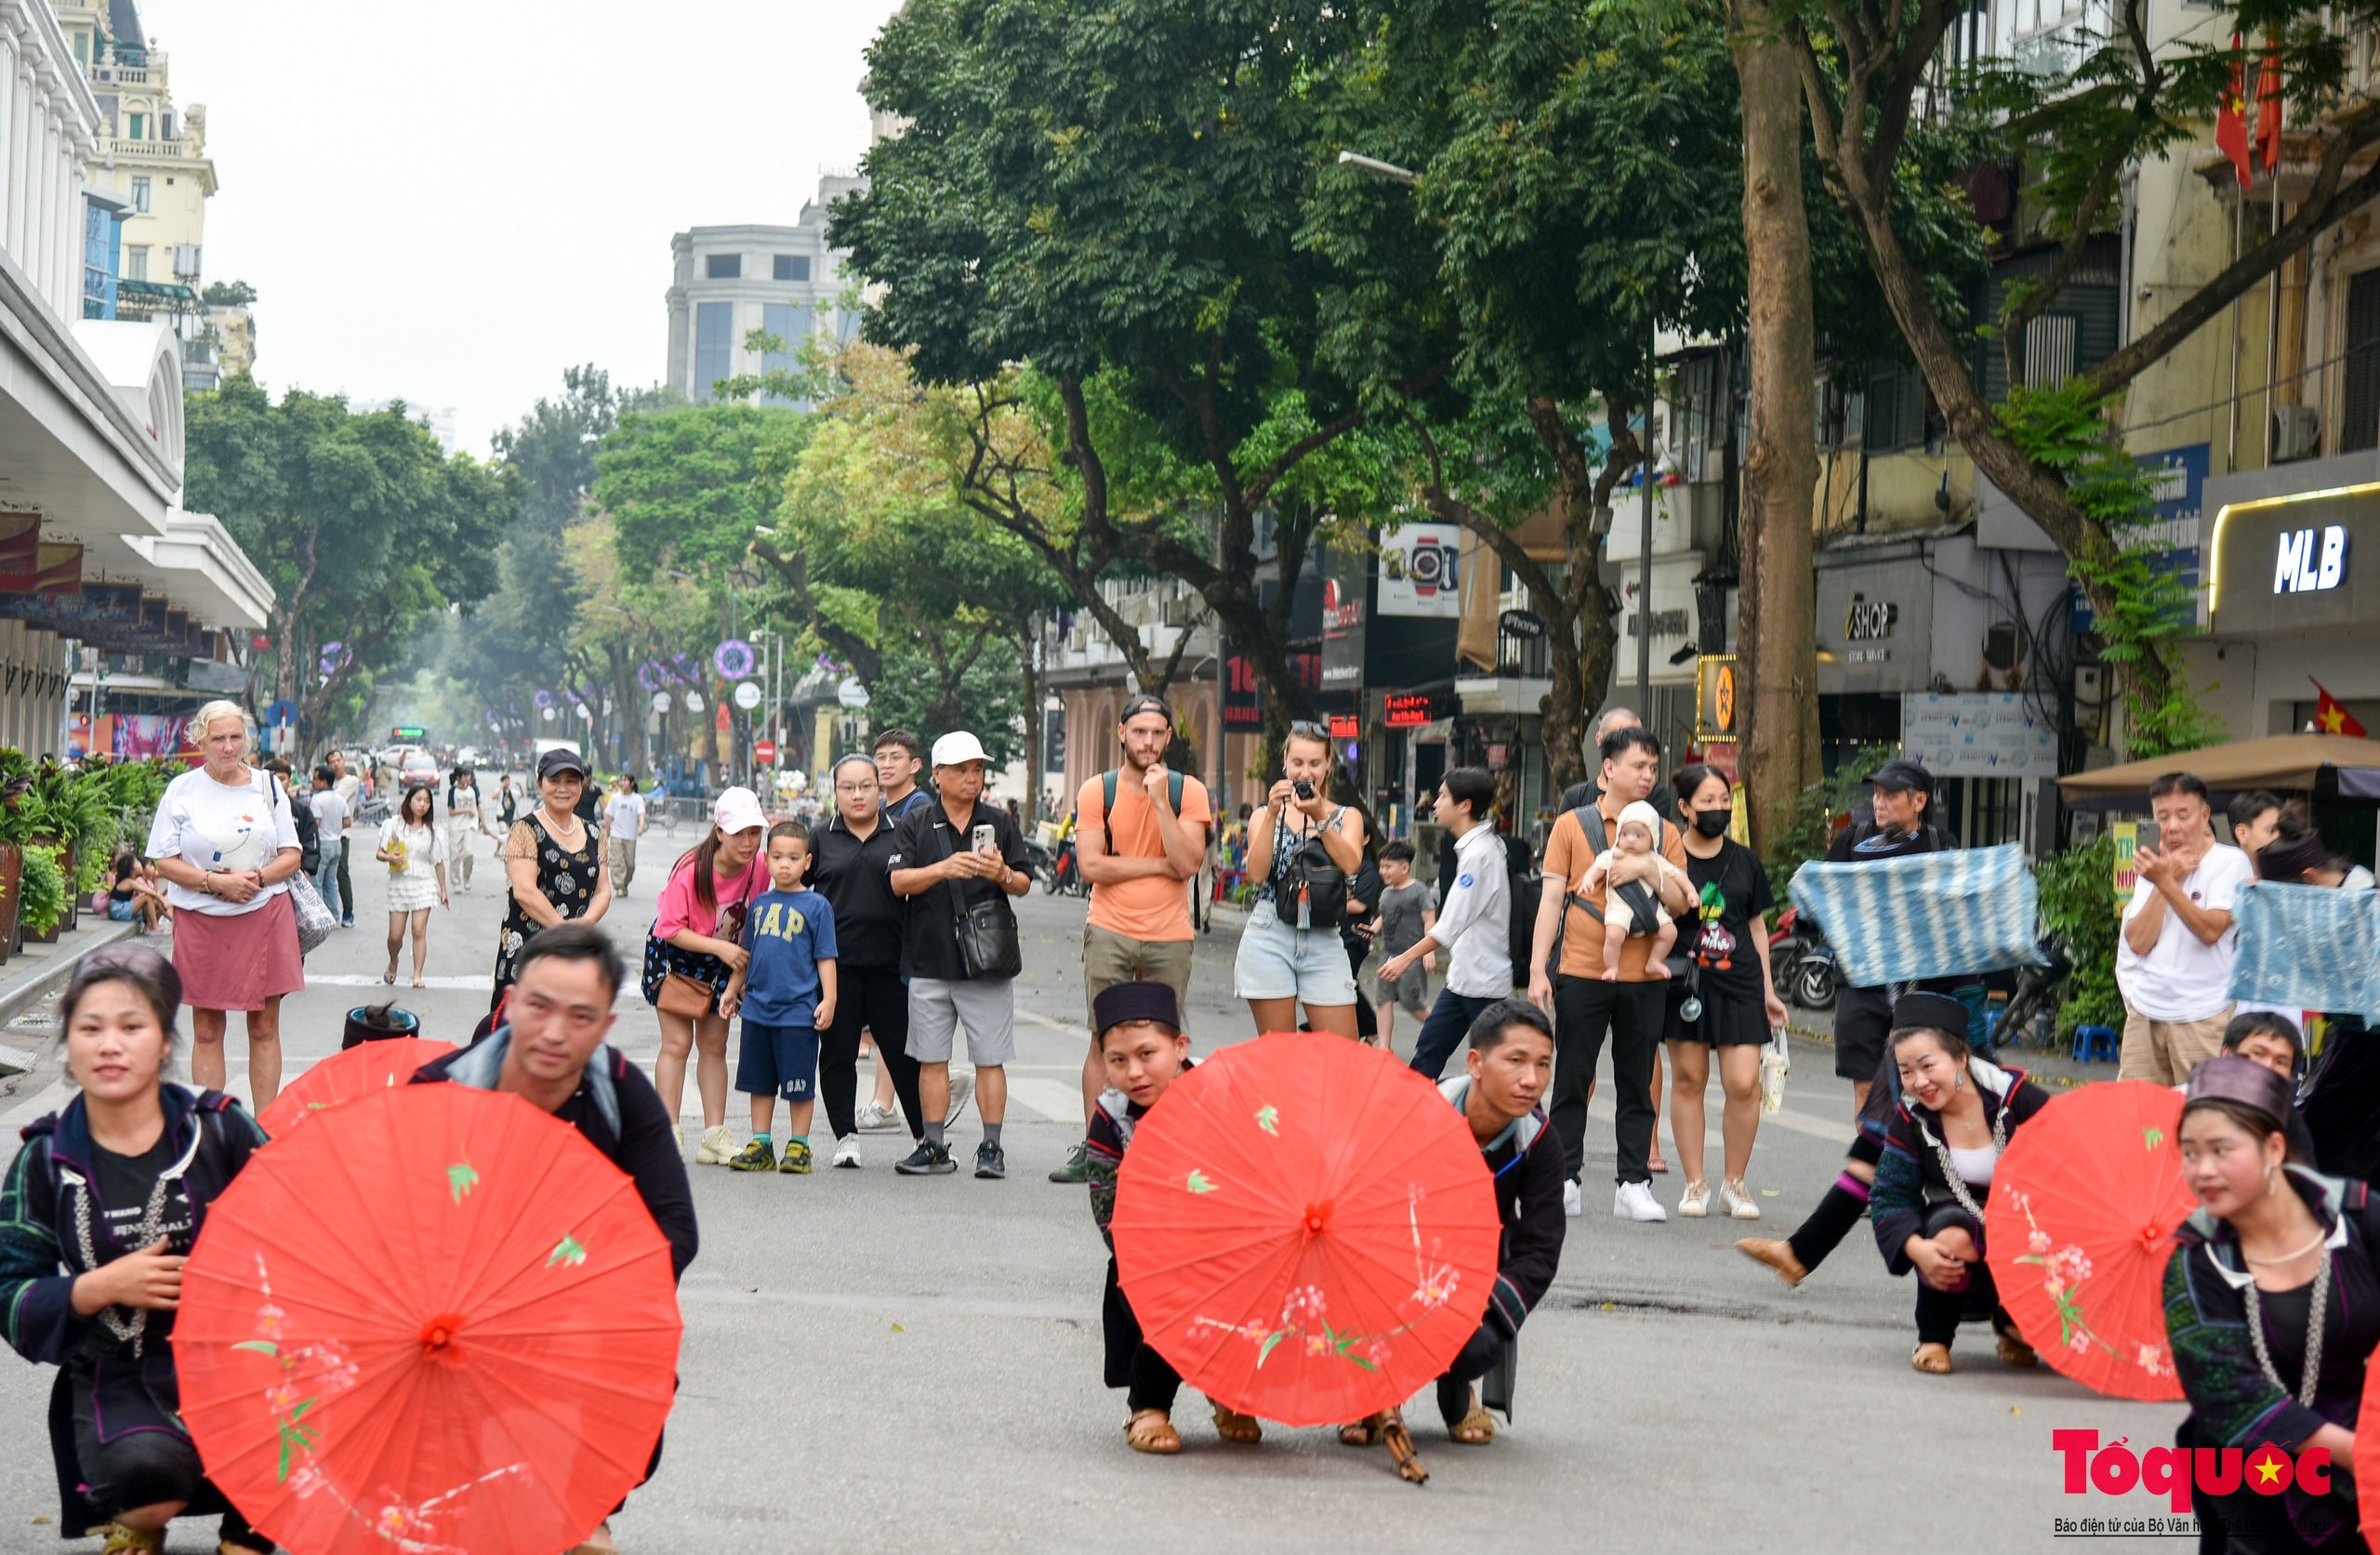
point(1103, 1151)
point(1897, 1204)
point(2234, 1401)
point(1533, 1239)
point(36, 1298)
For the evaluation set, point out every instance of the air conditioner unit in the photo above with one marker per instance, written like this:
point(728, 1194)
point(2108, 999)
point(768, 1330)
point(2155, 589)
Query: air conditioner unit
point(186, 257)
point(2297, 432)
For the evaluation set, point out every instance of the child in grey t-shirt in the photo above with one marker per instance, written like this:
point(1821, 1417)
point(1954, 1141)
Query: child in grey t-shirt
point(1405, 916)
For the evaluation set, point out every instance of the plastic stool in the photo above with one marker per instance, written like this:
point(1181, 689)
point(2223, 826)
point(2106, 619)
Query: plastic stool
point(2093, 1042)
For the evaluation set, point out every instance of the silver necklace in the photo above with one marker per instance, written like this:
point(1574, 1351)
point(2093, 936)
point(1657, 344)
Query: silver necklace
point(2318, 1307)
point(1950, 1169)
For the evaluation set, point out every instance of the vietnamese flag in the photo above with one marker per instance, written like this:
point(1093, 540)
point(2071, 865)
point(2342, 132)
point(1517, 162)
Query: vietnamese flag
point(2268, 109)
point(2231, 119)
point(2331, 714)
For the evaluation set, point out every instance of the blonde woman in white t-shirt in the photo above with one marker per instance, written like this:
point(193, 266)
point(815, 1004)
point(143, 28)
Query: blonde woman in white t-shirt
point(415, 850)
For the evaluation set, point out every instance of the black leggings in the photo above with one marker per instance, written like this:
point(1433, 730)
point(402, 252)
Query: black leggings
point(1476, 1360)
point(867, 998)
point(144, 1468)
point(1154, 1383)
point(1940, 1313)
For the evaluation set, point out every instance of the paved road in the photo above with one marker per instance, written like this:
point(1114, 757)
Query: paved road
point(875, 1362)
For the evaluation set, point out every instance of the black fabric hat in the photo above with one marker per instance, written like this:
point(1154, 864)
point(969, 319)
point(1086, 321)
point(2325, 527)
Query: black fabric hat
point(1934, 1011)
point(1902, 777)
point(2227, 1077)
point(562, 759)
point(1140, 1000)
point(391, 1023)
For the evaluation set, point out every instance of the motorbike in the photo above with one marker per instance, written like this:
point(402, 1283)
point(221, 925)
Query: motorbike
point(1037, 861)
point(1064, 878)
point(1801, 964)
point(2030, 1016)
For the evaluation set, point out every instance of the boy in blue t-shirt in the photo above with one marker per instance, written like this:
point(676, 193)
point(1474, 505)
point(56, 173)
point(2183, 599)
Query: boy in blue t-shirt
point(786, 991)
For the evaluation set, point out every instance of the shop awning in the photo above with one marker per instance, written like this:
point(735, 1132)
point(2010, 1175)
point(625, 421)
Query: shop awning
point(2327, 765)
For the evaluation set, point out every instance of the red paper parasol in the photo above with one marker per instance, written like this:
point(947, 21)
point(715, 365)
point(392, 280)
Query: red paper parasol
point(2366, 1467)
point(359, 1071)
point(435, 1320)
point(2080, 1227)
point(1306, 1229)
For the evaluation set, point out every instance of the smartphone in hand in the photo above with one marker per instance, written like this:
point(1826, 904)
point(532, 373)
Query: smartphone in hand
point(985, 839)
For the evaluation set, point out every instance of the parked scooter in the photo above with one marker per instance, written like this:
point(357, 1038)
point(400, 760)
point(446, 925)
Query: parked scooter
point(1801, 964)
point(1064, 877)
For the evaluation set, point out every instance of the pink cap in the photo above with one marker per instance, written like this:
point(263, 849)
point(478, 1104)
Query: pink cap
point(738, 810)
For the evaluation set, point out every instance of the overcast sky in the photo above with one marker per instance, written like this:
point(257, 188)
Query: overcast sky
point(452, 201)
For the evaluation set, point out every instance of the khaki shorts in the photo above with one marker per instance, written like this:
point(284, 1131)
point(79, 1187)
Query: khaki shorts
point(2165, 1051)
point(1109, 959)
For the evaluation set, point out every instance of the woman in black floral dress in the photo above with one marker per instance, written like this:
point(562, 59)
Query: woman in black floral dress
point(555, 862)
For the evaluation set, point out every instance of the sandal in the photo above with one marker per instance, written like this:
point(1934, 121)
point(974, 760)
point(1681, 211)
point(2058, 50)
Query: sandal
point(1361, 1433)
point(1400, 1446)
point(1233, 1426)
point(122, 1540)
point(1476, 1429)
point(2015, 1351)
point(1152, 1430)
point(1933, 1358)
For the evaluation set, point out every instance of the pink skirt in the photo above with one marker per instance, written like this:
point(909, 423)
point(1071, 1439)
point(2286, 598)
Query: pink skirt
point(237, 963)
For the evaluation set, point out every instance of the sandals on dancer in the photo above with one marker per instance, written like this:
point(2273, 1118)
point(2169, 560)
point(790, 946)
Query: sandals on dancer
point(1933, 1358)
point(1152, 1430)
point(1777, 1255)
point(122, 1540)
point(1233, 1426)
point(1476, 1429)
point(2015, 1351)
point(1361, 1433)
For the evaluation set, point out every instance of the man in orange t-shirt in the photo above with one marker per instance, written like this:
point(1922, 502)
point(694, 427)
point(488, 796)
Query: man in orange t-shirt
point(1140, 863)
point(1583, 1002)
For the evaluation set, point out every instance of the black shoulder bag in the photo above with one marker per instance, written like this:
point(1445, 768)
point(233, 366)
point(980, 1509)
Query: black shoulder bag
point(1321, 884)
point(987, 943)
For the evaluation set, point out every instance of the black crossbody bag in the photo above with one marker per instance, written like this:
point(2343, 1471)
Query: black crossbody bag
point(988, 947)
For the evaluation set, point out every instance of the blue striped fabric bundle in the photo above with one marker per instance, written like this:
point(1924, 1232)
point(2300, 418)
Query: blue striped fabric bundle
point(1927, 914)
point(2309, 946)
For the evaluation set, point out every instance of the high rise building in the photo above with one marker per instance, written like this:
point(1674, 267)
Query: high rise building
point(729, 281)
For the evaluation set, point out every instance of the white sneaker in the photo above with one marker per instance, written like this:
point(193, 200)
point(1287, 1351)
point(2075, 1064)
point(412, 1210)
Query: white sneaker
point(1695, 1202)
point(681, 1139)
point(1634, 1201)
point(1569, 1198)
point(874, 1119)
point(717, 1146)
point(1736, 1200)
point(847, 1151)
point(962, 1085)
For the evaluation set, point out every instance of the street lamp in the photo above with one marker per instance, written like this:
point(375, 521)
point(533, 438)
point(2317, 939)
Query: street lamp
point(1379, 169)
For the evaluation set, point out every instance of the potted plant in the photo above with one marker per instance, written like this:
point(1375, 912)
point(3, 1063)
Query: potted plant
point(41, 893)
point(21, 813)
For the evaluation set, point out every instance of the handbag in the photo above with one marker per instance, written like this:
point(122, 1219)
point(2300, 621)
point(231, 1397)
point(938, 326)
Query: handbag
point(1320, 884)
point(1773, 1064)
point(988, 948)
point(314, 918)
point(689, 997)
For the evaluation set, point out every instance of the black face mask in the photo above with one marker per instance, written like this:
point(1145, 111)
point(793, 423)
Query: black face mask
point(1713, 822)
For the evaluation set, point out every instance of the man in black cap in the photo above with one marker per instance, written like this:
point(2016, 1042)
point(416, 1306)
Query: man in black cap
point(1900, 803)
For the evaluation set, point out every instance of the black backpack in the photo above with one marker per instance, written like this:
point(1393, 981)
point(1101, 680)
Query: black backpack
point(1521, 886)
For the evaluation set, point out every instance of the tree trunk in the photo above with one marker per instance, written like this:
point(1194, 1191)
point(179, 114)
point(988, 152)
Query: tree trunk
point(1776, 667)
point(1023, 623)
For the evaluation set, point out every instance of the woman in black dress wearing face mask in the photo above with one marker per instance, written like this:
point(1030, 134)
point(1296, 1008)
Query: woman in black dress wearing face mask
point(1728, 941)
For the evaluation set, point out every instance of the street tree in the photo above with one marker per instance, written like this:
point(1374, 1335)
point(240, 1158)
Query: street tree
point(361, 522)
point(1111, 193)
point(1871, 78)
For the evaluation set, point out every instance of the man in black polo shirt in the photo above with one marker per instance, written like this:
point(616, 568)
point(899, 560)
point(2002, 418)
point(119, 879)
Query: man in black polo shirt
point(850, 868)
point(950, 858)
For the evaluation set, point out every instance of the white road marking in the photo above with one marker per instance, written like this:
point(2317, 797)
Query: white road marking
point(1053, 1100)
point(482, 982)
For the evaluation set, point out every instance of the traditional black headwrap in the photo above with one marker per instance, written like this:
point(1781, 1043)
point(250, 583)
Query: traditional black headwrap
point(1140, 1000)
point(2229, 1078)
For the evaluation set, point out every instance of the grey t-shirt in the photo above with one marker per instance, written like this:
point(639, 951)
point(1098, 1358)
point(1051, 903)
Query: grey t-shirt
point(1400, 917)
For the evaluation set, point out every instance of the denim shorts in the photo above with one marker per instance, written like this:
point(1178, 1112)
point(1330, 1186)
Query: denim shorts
point(1279, 962)
point(124, 911)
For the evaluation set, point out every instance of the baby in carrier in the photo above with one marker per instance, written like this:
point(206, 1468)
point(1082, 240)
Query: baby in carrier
point(1633, 905)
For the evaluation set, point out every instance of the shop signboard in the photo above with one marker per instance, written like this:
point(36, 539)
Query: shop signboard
point(1715, 707)
point(1875, 624)
point(1418, 573)
point(1346, 581)
point(1243, 696)
point(2126, 837)
point(2173, 536)
point(2294, 563)
point(1977, 734)
point(1409, 710)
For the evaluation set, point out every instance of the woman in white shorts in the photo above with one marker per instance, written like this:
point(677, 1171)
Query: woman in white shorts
point(1286, 957)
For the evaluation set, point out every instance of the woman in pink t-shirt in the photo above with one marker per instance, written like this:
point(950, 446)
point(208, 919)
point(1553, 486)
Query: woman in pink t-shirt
point(698, 934)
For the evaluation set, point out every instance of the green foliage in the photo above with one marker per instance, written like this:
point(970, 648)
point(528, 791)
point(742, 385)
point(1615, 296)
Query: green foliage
point(41, 891)
point(2078, 899)
point(687, 485)
point(985, 698)
point(2063, 430)
point(228, 294)
point(1806, 833)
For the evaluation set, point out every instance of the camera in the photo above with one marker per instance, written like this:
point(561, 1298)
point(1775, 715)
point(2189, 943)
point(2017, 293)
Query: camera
point(1304, 789)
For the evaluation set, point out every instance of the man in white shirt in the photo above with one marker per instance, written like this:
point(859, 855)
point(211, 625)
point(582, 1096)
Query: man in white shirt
point(1475, 924)
point(2173, 964)
point(330, 821)
point(351, 798)
point(625, 823)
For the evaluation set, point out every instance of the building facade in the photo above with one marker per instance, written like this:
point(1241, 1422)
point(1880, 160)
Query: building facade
point(727, 282)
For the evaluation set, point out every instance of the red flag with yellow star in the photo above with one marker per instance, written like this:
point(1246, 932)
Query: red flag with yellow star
point(2231, 120)
point(2331, 714)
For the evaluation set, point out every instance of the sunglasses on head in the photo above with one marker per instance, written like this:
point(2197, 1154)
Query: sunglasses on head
point(1310, 730)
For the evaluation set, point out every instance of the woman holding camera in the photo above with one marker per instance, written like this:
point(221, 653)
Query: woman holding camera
point(1304, 846)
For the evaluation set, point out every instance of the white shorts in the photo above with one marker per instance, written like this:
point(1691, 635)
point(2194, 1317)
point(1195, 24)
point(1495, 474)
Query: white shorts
point(1279, 962)
point(937, 1008)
